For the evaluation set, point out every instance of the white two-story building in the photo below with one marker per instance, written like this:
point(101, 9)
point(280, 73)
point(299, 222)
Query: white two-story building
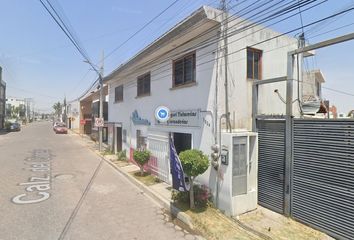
point(184, 70)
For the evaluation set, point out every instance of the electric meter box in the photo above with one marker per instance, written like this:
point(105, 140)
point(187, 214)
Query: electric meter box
point(238, 185)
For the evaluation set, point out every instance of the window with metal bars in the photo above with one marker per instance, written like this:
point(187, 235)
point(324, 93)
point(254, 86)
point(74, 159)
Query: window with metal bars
point(143, 85)
point(184, 70)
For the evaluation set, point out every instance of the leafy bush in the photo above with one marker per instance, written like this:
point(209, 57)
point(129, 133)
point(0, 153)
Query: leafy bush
point(194, 163)
point(202, 196)
point(141, 157)
point(7, 125)
point(122, 155)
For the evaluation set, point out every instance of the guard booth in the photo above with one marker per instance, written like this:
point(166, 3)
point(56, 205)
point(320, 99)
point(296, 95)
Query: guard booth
point(239, 167)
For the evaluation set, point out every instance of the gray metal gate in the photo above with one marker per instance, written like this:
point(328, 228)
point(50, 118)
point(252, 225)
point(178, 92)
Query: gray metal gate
point(271, 164)
point(323, 176)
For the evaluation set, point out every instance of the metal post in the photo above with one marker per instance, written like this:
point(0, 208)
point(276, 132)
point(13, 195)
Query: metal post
point(254, 106)
point(225, 45)
point(288, 135)
point(100, 75)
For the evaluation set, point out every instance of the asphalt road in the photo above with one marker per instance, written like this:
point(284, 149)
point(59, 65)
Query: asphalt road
point(54, 187)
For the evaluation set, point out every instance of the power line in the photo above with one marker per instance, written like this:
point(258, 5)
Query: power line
point(142, 28)
point(288, 9)
point(242, 10)
point(213, 41)
point(332, 30)
point(132, 36)
point(209, 42)
point(301, 20)
point(179, 12)
point(58, 20)
point(296, 29)
point(319, 26)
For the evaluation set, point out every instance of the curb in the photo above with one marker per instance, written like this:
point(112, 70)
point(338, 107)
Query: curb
point(167, 205)
point(176, 212)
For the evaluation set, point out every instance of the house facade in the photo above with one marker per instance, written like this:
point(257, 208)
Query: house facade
point(184, 71)
point(89, 107)
point(73, 115)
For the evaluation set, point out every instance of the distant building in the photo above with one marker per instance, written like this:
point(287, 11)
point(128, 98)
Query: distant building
point(24, 105)
point(89, 110)
point(312, 93)
point(73, 115)
point(11, 104)
point(2, 100)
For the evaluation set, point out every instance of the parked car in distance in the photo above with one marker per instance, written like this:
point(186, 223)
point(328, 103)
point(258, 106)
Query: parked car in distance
point(55, 124)
point(60, 128)
point(14, 127)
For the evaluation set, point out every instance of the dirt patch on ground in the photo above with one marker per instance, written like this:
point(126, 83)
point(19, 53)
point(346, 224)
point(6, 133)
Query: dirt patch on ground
point(216, 226)
point(277, 226)
point(259, 224)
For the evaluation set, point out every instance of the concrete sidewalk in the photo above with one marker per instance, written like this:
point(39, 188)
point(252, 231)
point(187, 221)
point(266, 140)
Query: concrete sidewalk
point(259, 224)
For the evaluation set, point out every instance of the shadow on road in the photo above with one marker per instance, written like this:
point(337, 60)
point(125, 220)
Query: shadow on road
point(3, 132)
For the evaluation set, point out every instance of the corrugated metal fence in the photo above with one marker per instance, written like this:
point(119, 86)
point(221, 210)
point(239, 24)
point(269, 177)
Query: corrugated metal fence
point(271, 137)
point(322, 176)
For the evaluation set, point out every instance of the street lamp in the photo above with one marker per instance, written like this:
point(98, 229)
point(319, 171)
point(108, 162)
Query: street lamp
point(100, 79)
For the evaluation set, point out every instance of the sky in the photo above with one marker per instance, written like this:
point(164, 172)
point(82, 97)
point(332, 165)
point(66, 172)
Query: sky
point(39, 61)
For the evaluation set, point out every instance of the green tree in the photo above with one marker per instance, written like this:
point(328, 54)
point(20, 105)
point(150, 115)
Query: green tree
point(8, 111)
point(22, 110)
point(194, 163)
point(58, 108)
point(141, 157)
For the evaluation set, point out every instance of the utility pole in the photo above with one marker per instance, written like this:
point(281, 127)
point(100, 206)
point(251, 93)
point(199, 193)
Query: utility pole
point(100, 75)
point(65, 116)
point(224, 8)
point(299, 67)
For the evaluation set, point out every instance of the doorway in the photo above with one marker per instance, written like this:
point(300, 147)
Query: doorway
point(119, 139)
point(182, 141)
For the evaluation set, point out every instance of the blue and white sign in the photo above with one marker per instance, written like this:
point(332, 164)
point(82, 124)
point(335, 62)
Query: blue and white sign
point(162, 114)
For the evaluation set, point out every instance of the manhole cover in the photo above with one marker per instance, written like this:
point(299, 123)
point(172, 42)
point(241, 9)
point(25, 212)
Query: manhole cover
point(63, 176)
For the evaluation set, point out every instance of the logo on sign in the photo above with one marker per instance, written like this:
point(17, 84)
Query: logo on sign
point(99, 122)
point(162, 114)
point(186, 118)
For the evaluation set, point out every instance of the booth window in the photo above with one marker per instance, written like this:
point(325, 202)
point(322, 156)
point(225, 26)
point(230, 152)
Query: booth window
point(118, 94)
point(239, 166)
point(184, 70)
point(144, 85)
point(254, 63)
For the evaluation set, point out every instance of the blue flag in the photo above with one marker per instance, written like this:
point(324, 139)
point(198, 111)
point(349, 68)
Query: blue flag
point(178, 176)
